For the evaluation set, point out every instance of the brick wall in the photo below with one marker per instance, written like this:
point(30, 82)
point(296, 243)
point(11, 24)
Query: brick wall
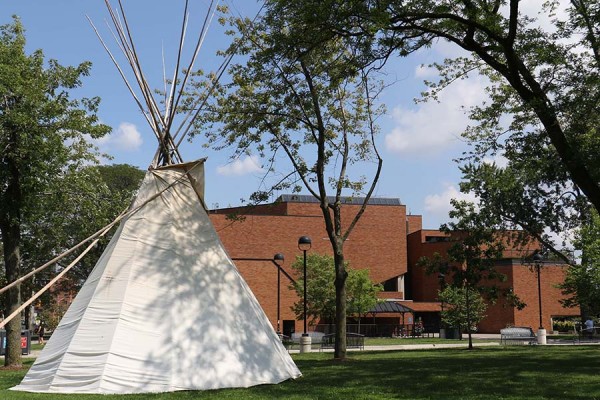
point(525, 280)
point(520, 277)
point(414, 223)
point(378, 243)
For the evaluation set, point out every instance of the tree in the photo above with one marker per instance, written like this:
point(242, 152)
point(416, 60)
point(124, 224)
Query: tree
point(361, 293)
point(75, 206)
point(547, 81)
point(464, 308)
point(321, 297)
point(582, 283)
point(122, 180)
point(542, 112)
point(314, 105)
point(544, 82)
point(320, 291)
point(43, 135)
point(119, 183)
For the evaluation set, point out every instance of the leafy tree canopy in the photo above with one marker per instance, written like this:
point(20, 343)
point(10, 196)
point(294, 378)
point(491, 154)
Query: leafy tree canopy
point(309, 112)
point(320, 271)
point(541, 116)
point(44, 136)
point(533, 158)
point(582, 284)
point(464, 308)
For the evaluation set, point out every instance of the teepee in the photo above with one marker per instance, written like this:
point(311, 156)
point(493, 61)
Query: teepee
point(165, 308)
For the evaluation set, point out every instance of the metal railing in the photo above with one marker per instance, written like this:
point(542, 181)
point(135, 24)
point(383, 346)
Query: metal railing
point(379, 330)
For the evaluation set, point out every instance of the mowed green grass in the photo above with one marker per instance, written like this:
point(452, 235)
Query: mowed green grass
point(512, 372)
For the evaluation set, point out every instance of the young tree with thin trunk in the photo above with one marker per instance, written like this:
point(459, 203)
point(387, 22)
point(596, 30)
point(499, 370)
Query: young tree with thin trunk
point(475, 245)
point(361, 292)
point(310, 113)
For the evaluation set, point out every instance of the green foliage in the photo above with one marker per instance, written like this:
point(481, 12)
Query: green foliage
point(320, 275)
point(320, 291)
point(309, 111)
point(566, 325)
point(122, 181)
point(361, 292)
point(44, 137)
point(464, 308)
point(533, 159)
point(314, 105)
point(79, 204)
point(540, 120)
point(582, 283)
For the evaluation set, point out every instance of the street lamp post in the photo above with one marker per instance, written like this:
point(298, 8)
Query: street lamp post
point(304, 244)
point(276, 259)
point(442, 281)
point(538, 259)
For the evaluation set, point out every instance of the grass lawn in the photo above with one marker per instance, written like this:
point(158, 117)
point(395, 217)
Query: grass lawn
point(512, 372)
point(385, 341)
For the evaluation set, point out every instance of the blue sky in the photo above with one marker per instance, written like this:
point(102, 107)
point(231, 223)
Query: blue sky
point(418, 141)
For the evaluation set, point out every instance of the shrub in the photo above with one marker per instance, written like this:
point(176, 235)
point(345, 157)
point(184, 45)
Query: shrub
point(563, 325)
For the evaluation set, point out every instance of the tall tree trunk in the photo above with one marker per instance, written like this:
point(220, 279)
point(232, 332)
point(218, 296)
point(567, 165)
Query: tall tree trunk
point(340, 304)
point(468, 304)
point(10, 226)
point(11, 235)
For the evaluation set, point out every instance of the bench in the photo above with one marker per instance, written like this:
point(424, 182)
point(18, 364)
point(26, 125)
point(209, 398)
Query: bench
point(587, 334)
point(517, 335)
point(290, 342)
point(353, 341)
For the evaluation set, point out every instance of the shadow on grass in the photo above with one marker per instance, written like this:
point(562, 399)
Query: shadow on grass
point(518, 372)
point(510, 373)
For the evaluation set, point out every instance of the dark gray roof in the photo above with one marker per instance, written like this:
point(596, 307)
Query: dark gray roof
point(306, 198)
point(389, 307)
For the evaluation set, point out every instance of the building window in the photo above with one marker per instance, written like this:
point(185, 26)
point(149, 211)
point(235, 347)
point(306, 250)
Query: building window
point(391, 285)
point(436, 239)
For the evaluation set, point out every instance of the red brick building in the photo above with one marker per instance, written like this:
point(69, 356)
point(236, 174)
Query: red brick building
point(521, 278)
point(386, 241)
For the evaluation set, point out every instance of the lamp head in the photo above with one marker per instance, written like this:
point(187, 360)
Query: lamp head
point(278, 259)
point(538, 257)
point(304, 243)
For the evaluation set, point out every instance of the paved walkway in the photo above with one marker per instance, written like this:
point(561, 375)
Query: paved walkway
point(422, 346)
point(494, 341)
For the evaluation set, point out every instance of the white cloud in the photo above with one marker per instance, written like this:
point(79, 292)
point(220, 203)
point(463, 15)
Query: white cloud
point(239, 167)
point(499, 160)
point(434, 126)
point(535, 9)
point(125, 138)
point(439, 204)
point(425, 71)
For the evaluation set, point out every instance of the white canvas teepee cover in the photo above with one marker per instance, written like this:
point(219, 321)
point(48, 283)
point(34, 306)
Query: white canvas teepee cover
point(164, 309)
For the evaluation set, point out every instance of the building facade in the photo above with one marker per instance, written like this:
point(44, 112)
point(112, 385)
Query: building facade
point(388, 243)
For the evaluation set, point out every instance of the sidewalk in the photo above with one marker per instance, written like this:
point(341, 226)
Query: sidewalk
point(493, 337)
point(424, 346)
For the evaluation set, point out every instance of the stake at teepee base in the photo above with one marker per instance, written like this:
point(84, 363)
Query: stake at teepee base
point(165, 308)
